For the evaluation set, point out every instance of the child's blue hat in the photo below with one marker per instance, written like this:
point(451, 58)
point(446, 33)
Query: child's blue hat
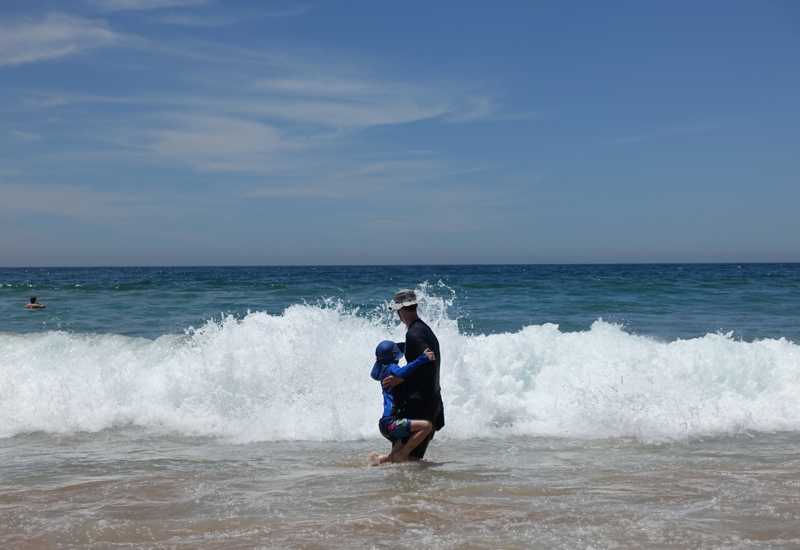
point(388, 352)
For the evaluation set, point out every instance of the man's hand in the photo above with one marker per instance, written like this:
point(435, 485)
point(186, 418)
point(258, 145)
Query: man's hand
point(391, 381)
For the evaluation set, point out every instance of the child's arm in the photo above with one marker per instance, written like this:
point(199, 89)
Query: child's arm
point(403, 372)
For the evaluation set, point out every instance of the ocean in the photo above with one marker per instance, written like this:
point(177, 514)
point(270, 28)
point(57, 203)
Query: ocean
point(587, 407)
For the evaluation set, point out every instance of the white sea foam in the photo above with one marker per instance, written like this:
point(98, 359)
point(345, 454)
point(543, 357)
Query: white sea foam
point(303, 374)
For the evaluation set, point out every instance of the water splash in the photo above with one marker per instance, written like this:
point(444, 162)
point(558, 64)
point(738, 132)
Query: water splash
point(304, 375)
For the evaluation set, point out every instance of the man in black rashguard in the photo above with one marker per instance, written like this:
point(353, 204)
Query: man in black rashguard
point(423, 393)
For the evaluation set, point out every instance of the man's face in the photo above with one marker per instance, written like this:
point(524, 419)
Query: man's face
point(400, 313)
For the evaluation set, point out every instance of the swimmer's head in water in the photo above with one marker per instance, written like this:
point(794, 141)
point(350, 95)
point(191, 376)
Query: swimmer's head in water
point(33, 299)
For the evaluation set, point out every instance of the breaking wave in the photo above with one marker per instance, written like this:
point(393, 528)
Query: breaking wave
point(304, 375)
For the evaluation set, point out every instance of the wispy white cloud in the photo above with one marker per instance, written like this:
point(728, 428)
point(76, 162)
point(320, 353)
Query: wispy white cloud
point(393, 166)
point(333, 97)
point(265, 125)
point(267, 112)
point(44, 101)
point(8, 172)
point(629, 140)
point(228, 18)
point(345, 100)
point(696, 128)
point(370, 178)
point(79, 202)
point(443, 211)
point(216, 143)
point(474, 108)
point(57, 35)
point(23, 137)
point(451, 220)
point(328, 85)
point(119, 5)
point(197, 20)
point(494, 112)
point(340, 114)
point(283, 192)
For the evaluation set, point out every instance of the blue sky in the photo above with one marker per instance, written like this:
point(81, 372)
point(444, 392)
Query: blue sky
point(192, 132)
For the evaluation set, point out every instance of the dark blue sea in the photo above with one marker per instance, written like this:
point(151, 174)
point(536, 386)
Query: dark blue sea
point(665, 301)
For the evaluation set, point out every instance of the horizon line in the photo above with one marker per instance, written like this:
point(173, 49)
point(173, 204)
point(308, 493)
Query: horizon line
point(543, 264)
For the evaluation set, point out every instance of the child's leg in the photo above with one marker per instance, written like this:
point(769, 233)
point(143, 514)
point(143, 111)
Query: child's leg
point(419, 431)
point(392, 457)
point(376, 459)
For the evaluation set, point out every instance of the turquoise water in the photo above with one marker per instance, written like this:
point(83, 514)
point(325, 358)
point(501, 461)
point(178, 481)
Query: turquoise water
point(670, 301)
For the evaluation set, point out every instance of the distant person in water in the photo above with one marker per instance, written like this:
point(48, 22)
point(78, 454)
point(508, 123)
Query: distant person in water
point(34, 304)
point(392, 425)
point(423, 393)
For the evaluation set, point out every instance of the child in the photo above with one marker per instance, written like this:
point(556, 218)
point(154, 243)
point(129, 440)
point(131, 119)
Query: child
point(392, 426)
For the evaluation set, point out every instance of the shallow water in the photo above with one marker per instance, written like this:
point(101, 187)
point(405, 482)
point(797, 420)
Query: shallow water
point(123, 488)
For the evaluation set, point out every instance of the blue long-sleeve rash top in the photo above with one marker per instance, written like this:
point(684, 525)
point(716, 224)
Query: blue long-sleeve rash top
point(394, 401)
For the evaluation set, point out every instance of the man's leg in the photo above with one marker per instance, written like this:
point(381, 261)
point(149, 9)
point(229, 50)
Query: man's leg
point(416, 408)
point(418, 452)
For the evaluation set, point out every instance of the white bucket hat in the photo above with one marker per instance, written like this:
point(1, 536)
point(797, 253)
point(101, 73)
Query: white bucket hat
point(403, 298)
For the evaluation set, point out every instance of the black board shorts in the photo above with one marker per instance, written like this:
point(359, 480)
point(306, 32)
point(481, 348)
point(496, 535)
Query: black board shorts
point(436, 417)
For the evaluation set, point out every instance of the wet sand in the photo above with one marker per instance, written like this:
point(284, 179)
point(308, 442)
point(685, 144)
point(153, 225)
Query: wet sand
point(127, 489)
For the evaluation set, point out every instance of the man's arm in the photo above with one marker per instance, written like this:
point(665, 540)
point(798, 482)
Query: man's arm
point(398, 374)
